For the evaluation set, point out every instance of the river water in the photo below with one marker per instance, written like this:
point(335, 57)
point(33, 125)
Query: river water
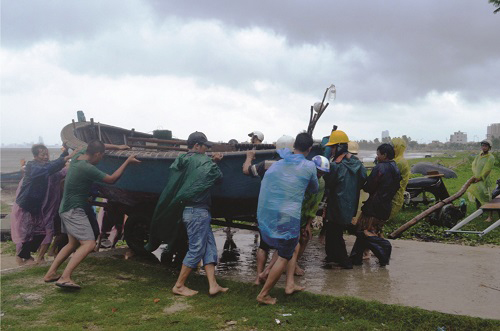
point(10, 157)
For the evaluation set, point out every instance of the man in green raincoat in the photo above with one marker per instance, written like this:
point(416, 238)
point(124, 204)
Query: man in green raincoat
point(404, 168)
point(343, 184)
point(186, 198)
point(480, 190)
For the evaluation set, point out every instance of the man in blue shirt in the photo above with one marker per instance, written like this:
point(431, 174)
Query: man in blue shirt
point(279, 210)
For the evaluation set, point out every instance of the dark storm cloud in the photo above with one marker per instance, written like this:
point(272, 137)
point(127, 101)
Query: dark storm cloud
point(408, 48)
point(25, 22)
point(415, 46)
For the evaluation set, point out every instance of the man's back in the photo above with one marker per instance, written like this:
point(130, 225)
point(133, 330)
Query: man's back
point(343, 184)
point(282, 193)
point(382, 185)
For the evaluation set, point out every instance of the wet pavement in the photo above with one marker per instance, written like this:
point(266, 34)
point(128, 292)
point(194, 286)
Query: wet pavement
point(443, 277)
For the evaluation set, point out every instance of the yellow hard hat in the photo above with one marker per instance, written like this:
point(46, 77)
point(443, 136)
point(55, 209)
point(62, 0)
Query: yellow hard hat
point(337, 137)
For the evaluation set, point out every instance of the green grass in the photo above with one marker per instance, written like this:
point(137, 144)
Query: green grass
point(120, 295)
point(5, 208)
point(8, 247)
point(461, 164)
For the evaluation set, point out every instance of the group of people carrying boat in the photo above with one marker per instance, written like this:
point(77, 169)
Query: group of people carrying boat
point(291, 191)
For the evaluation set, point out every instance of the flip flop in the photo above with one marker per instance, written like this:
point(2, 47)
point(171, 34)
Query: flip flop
point(53, 279)
point(69, 285)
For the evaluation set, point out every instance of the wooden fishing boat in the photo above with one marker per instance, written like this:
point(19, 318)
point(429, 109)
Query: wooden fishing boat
point(137, 191)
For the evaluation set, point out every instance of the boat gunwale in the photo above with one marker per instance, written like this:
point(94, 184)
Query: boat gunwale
point(68, 137)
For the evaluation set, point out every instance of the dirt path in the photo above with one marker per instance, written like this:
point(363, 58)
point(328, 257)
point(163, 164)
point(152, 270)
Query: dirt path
point(443, 277)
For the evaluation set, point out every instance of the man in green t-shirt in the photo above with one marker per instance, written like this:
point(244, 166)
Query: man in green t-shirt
point(81, 175)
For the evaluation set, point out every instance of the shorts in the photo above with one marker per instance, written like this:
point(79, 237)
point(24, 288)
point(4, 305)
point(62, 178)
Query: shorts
point(75, 222)
point(200, 236)
point(285, 247)
point(263, 245)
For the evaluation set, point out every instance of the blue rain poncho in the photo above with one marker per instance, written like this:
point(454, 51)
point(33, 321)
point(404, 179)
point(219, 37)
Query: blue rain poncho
point(281, 195)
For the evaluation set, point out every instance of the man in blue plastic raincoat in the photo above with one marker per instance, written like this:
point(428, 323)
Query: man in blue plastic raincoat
point(279, 211)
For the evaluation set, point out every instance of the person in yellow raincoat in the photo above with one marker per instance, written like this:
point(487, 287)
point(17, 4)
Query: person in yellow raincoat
point(399, 145)
point(480, 190)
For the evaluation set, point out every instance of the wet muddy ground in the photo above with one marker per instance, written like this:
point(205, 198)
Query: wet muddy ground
point(444, 277)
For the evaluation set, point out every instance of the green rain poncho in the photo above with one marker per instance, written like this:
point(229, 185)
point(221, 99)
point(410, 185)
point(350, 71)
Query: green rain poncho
point(344, 182)
point(189, 175)
point(404, 168)
point(481, 169)
point(311, 203)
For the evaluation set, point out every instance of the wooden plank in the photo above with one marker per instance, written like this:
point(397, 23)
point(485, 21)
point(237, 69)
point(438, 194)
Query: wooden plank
point(492, 205)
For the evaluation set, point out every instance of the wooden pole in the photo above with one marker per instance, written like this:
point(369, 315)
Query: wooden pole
point(429, 211)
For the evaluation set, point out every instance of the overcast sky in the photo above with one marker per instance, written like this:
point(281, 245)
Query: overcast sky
point(421, 68)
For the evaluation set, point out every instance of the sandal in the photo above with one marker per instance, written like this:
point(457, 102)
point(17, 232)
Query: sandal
point(69, 285)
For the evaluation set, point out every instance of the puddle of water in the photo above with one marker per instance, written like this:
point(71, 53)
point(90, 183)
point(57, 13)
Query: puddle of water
point(448, 278)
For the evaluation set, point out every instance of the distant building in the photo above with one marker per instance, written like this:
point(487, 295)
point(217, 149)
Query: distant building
point(385, 134)
point(493, 131)
point(459, 138)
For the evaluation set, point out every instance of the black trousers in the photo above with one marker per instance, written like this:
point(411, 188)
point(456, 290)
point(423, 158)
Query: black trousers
point(334, 243)
point(381, 247)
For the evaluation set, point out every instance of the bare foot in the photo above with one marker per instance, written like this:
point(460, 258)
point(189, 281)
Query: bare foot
point(489, 219)
point(184, 291)
point(295, 288)
point(299, 271)
point(20, 261)
point(263, 276)
point(258, 281)
point(266, 300)
point(52, 277)
point(39, 261)
point(217, 289)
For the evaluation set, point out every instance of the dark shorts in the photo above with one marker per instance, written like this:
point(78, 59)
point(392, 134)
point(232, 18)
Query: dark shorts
point(263, 245)
point(285, 247)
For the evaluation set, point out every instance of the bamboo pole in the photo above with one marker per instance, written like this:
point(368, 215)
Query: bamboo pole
point(429, 211)
point(167, 148)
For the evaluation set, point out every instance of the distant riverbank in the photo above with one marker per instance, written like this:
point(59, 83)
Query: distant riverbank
point(368, 156)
